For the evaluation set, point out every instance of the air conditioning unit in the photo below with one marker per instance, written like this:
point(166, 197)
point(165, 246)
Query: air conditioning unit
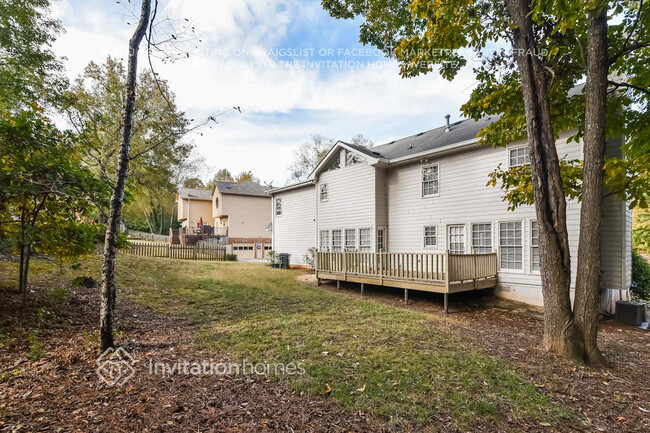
point(630, 313)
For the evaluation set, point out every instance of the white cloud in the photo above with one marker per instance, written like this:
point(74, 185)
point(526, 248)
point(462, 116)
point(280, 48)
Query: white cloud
point(281, 107)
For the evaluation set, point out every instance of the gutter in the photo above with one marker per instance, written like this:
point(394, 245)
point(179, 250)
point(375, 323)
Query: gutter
point(291, 187)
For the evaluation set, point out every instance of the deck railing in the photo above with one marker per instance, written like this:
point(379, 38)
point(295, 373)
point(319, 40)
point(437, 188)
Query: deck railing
point(439, 268)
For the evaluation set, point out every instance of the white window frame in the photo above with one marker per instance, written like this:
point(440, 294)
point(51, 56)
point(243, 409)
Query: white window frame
point(278, 206)
point(363, 247)
point(434, 236)
point(337, 248)
point(381, 239)
point(326, 246)
point(501, 247)
point(354, 159)
point(474, 246)
point(463, 233)
point(436, 180)
point(518, 149)
point(533, 247)
point(345, 240)
point(323, 189)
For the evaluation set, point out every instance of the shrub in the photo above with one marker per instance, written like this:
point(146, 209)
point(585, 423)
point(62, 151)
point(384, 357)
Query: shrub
point(640, 277)
point(310, 257)
point(231, 257)
point(272, 256)
point(36, 347)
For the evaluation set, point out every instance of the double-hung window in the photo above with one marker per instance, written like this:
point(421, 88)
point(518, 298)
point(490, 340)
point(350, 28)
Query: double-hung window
point(457, 239)
point(534, 246)
point(324, 240)
point(430, 236)
point(430, 186)
point(518, 157)
point(337, 241)
point(511, 248)
point(323, 192)
point(278, 206)
point(365, 239)
point(350, 239)
point(482, 238)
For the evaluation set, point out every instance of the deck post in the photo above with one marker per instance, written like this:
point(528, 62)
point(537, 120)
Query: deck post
point(406, 296)
point(317, 280)
point(362, 289)
point(447, 270)
point(338, 284)
point(446, 302)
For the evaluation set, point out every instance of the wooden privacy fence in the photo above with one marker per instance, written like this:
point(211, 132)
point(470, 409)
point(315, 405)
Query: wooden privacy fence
point(434, 268)
point(196, 252)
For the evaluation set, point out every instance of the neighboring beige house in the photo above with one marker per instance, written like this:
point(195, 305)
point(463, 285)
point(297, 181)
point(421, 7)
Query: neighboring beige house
point(241, 211)
point(194, 204)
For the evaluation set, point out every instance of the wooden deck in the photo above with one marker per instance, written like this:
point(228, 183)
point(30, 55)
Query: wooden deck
point(431, 272)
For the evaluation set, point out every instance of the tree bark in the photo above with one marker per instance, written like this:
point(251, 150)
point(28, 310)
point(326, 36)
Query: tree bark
point(561, 335)
point(589, 260)
point(117, 198)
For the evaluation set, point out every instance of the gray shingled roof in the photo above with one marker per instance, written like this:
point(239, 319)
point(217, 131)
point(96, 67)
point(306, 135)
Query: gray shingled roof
point(195, 193)
point(247, 187)
point(460, 131)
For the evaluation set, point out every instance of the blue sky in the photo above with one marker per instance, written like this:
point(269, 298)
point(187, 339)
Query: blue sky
point(282, 104)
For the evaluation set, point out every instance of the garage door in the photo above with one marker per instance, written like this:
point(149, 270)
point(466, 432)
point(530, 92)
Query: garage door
point(244, 251)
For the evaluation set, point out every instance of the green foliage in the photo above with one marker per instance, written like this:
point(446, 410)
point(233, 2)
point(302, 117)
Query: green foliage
point(29, 70)
point(36, 346)
point(641, 230)
point(640, 277)
point(231, 257)
point(272, 256)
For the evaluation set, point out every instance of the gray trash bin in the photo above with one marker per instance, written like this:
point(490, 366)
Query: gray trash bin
point(284, 260)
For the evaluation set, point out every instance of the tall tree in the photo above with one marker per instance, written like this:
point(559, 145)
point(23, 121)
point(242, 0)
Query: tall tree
point(223, 175)
point(246, 175)
point(117, 199)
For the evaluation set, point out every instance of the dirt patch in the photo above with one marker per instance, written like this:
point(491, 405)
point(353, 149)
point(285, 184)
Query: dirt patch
point(608, 399)
point(61, 391)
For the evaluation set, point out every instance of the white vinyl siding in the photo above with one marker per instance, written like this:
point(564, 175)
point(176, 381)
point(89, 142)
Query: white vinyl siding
point(337, 241)
point(456, 234)
point(518, 157)
point(295, 231)
point(365, 239)
point(534, 246)
point(350, 239)
point(482, 238)
point(324, 240)
point(511, 245)
point(430, 236)
point(430, 185)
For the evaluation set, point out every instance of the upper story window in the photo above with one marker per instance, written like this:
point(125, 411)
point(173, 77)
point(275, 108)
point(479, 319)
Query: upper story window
point(335, 163)
point(482, 238)
point(278, 206)
point(430, 236)
point(534, 246)
point(216, 202)
point(352, 158)
point(511, 245)
point(430, 180)
point(323, 192)
point(518, 157)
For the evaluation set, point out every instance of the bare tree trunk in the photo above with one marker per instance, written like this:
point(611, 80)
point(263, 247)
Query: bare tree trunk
point(588, 273)
point(561, 335)
point(117, 199)
point(22, 287)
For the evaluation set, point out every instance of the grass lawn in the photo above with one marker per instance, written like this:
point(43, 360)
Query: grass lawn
point(393, 362)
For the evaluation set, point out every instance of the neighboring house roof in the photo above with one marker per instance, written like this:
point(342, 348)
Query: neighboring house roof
point(194, 193)
point(247, 187)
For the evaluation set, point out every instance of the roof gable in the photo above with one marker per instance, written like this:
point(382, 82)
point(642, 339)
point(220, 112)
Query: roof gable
point(365, 152)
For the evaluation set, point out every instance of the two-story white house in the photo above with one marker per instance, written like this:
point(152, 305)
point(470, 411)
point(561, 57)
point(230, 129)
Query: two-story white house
point(427, 193)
